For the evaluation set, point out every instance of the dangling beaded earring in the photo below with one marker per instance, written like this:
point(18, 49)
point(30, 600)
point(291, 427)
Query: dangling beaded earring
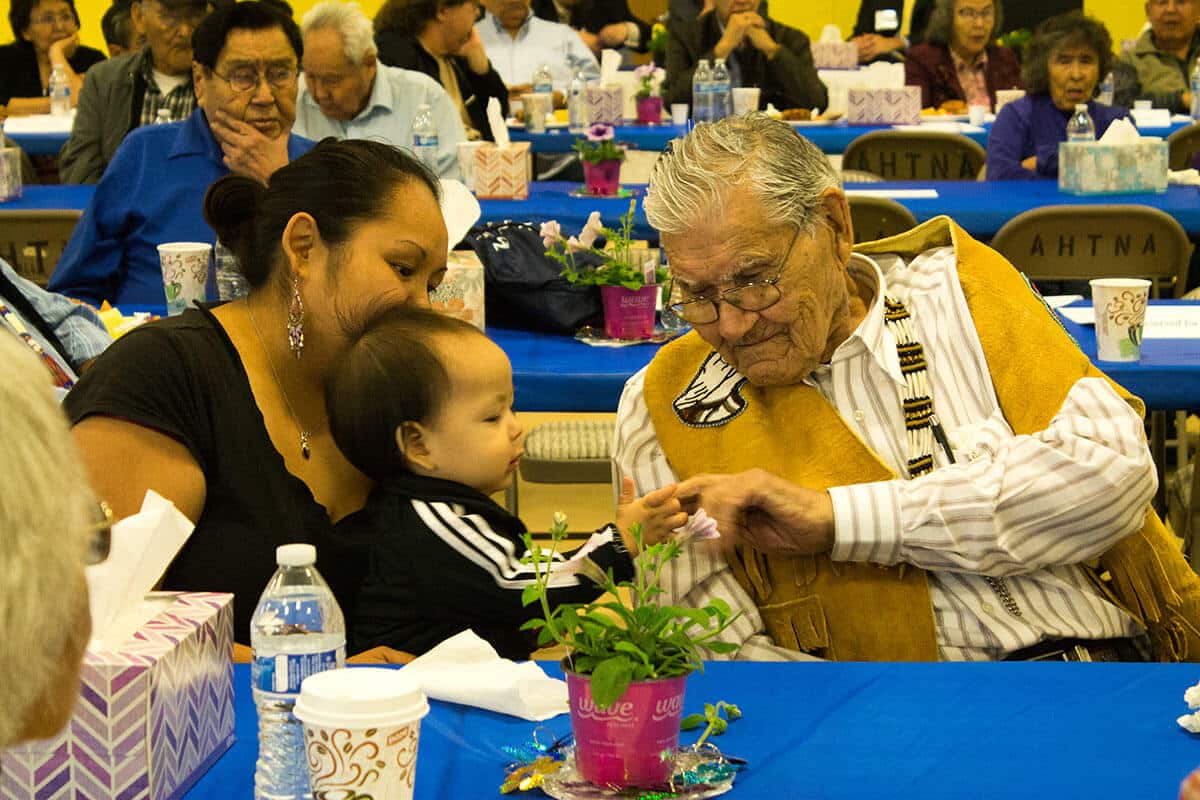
point(295, 320)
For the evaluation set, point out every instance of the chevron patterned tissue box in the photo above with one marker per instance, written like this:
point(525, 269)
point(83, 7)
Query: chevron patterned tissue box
point(502, 173)
point(897, 106)
point(152, 717)
point(835, 55)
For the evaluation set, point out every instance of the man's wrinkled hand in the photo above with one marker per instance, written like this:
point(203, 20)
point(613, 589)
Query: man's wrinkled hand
point(247, 150)
point(760, 510)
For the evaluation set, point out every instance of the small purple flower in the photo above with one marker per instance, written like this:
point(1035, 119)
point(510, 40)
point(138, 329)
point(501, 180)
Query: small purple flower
point(600, 133)
point(550, 233)
point(591, 229)
point(645, 71)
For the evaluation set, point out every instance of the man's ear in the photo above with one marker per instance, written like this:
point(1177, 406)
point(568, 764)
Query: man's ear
point(835, 211)
point(199, 87)
point(413, 441)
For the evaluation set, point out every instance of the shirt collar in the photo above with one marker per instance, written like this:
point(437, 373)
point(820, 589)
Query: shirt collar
point(959, 64)
point(196, 138)
point(871, 337)
point(521, 33)
point(381, 93)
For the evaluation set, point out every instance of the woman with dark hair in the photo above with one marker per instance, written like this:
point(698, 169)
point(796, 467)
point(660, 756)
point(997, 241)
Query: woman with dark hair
point(47, 36)
point(1063, 65)
point(438, 38)
point(221, 410)
point(959, 60)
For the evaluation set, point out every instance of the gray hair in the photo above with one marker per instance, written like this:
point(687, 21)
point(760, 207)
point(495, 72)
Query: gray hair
point(941, 22)
point(45, 510)
point(358, 35)
point(753, 153)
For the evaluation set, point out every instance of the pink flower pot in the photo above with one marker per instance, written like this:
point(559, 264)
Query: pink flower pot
point(603, 178)
point(649, 110)
point(629, 313)
point(632, 742)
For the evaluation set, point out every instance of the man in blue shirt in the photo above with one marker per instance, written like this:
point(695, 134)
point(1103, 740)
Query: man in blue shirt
point(245, 74)
point(347, 94)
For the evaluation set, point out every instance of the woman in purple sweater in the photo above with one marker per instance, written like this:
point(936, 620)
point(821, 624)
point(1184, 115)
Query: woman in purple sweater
point(1063, 65)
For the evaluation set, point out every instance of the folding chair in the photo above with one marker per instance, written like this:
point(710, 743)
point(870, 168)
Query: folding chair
point(916, 156)
point(1182, 146)
point(31, 241)
point(570, 451)
point(878, 217)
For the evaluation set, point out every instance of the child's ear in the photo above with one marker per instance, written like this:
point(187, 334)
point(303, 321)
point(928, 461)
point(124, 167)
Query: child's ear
point(414, 446)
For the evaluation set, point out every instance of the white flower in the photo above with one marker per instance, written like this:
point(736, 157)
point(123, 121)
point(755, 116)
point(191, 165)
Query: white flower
point(550, 233)
point(591, 229)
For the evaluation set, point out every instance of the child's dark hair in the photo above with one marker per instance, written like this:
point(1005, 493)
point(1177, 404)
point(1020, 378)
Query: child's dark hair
point(389, 374)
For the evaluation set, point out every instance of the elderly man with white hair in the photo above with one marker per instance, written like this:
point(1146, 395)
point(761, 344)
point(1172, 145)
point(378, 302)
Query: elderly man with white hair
point(347, 94)
point(48, 521)
point(907, 457)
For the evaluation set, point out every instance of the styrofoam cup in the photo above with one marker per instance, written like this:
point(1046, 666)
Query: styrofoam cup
point(679, 113)
point(745, 99)
point(1120, 309)
point(184, 273)
point(1006, 96)
point(976, 114)
point(361, 727)
point(537, 106)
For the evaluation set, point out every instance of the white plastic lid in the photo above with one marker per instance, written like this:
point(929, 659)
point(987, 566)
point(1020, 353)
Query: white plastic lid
point(360, 697)
point(295, 555)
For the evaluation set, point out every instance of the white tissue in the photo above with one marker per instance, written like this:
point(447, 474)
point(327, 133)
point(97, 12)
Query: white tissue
point(460, 210)
point(1191, 722)
point(831, 33)
point(1121, 131)
point(496, 123)
point(610, 63)
point(465, 669)
point(143, 546)
point(1183, 177)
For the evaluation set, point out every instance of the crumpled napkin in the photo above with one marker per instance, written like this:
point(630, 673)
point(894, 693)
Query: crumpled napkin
point(1191, 722)
point(467, 670)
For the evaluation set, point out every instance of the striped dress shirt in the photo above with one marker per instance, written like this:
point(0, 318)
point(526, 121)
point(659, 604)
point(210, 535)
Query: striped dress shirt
point(1028, 509)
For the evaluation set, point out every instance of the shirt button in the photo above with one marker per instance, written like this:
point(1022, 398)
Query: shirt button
point(859, 415)
point(988, 609)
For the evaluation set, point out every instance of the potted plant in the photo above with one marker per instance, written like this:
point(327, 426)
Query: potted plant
point(602, 159)
point(649, 93)
point(628, 276)
point(627, 662)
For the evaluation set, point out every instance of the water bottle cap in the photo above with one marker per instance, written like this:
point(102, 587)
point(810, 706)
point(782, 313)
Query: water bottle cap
point(1081, 106)
point(360, 697)
point(295, 555)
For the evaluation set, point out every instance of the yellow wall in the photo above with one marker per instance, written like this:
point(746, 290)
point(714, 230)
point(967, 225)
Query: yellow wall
point(1123, 17)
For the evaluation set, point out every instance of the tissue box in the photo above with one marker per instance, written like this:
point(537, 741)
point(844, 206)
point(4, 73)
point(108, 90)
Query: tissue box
point(835, 55)
point(502, 174)
point(1096, 168)
point(460, 294)
point(152, 716)
point(607, 104)
point(898, 106)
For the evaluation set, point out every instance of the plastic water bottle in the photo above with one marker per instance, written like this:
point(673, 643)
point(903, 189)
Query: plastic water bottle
point(721, 88)
point(297, 630)
point(231, 283)
point(1080, 127)
point(425, 137)
point(162, 116)
point(701, 97)
point(1107, 90)
point(543, 80)
point(60, 91)
point(1195, 86)
point(577, 104)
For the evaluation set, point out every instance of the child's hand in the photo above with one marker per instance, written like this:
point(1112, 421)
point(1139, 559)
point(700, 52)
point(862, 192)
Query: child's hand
point(659, 512)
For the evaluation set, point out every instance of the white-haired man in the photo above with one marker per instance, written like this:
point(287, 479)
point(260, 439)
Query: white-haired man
point(916, 462)
point(346, 93)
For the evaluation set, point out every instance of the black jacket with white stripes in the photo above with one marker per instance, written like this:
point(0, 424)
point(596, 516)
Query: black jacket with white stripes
point(445, 557)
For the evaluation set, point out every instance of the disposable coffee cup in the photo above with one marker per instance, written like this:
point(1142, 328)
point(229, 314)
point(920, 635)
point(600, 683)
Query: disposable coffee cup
point(184, 273)
point(977, 114)
point(10, 174)
point(745, 99)
point(1120, 309)
point(1006, 96)
point(536, 105)
point(679, 113)
point(361, 727)
point(466, 161)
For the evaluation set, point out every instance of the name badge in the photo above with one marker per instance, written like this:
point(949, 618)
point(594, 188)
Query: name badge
point(887, 21)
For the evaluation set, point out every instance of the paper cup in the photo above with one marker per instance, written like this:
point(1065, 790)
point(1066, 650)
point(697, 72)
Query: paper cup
point(361, 727)
point(537, 105)
point(466, 161)
point(184, 273)
point(679, 113)
point(10, 174)
point(745, 99)
point(1006, 96)
point(977, 114)
point(1120, 309)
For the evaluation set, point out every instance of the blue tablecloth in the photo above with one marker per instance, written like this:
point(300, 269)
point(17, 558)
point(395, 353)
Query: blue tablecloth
point(854, 730)
point(50, 197)
point(40, 144)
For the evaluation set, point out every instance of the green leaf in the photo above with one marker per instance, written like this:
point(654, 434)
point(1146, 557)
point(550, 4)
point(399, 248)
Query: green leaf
point(633, 650)
point(532, 624)
point(691, 722)
point(530, 594)
point(718, 726)
point(732, 712)
point(610, 679)
point(721, 648)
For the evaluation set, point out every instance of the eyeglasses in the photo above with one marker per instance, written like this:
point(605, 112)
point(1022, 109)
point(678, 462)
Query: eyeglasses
point(972, 14)
point(100, 541)
point(245, 79)
point(750, 296)
point(65, 18)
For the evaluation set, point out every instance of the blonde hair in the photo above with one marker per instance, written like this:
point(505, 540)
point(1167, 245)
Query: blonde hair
point(45, 511)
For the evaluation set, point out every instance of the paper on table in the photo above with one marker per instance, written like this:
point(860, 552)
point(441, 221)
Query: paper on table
point(460, 210)
point(944, 127)
point(1162, 322)
point(1060, 300)
point(896, 194)
point(465, 669)
point(610, 64)
point(143, 546)
point(1121, 131)
point(40, 123)
point(496, 122)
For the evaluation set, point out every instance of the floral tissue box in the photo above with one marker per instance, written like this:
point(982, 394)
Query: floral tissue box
point(897, 106)
point(835, 55)
point(152, 717)
point(460, 294)
point(1097, 168)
